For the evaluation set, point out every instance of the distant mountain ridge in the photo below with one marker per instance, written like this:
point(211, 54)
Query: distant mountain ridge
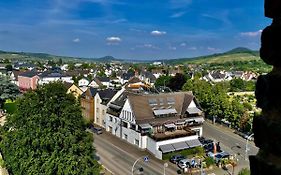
point(236, 54)
point(45, 56)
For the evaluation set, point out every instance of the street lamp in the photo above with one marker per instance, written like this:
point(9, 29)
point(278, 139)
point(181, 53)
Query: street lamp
point(247, 146)
point(165, 166)
point(146, 159)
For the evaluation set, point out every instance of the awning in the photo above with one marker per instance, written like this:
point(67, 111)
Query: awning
point(166, 148)
point(170, 125)
point(193, 110)
point(165, 111)
point(180, 146)
point(145, 126)
point(180, 122)
point(195, 119)
point(193, 143)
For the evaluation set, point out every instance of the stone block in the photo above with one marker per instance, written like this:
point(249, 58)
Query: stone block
point(262, 167)
point(270, 51)
point(272, 8)
point(268, 88)
point(267, 135)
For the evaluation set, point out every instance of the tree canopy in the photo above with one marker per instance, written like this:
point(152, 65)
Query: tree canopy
point(215, 101)
point(8, 90)
point(46, 135)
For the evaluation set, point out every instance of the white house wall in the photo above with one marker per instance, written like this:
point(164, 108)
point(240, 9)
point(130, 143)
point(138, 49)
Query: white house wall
point(127, 114)
point(192, 105)
point(153, 146)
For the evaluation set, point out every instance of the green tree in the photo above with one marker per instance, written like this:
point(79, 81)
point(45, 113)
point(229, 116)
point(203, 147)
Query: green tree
point(9, 67)
point(46, 135)
point(163, 80)
point(8, 90)
point(177, 82)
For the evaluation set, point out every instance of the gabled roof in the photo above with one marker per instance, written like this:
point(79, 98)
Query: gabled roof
point(127, 75)
point(98, 82)
point(103, 79)
point(106, 95)
point(92, 92)
point(67, 85)
point(29, 74)
point(145, 106)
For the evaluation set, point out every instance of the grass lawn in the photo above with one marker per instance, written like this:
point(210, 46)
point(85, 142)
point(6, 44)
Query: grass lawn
point(10, 106)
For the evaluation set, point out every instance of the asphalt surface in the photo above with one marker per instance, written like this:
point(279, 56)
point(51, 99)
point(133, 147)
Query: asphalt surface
point(118, 157)
point(230, 142)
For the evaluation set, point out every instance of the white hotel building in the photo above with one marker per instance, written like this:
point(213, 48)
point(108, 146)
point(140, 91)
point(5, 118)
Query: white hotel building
point(159, 123)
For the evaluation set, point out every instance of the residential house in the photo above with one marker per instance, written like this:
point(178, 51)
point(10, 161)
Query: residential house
point(99, 82)
point(217, 76)
point(88, 104)
point(158, 72)
point(51, 76)
point(125, 77)
point(94, 104)
point(83, 82)
point(73, 89)
point(95, 83)
point(23, 65)
point(159, 123)
point(105, 81)
point(28, 80)
point(101, 99)
point(147, 77)
point(14, 76)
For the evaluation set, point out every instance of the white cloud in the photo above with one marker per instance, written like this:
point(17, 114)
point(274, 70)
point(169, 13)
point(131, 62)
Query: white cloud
point(113, 40)
point(76, 40)
point(158, 33)
point(147, 45)
point(251, 34)
point(177, 15)
point(183, 44)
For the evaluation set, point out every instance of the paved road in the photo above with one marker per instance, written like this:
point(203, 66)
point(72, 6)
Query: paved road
point(119, 156)
point(230, 142)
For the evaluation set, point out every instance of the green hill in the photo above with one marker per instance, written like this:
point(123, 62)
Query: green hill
point(237, 54)
point(43, 56)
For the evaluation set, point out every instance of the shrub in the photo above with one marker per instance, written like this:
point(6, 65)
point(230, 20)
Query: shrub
point(209, 161)
point(192, 151)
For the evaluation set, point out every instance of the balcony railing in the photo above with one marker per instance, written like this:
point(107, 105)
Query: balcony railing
point(167, 135)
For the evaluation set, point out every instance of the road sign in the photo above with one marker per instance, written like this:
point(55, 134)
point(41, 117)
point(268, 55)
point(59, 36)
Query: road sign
point(193, 162)
point(145, 159)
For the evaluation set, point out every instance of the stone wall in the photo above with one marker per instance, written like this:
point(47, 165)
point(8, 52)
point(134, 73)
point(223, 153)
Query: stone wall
point(267, 128)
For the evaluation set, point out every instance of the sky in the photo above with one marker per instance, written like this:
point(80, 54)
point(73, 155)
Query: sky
point(130, 29)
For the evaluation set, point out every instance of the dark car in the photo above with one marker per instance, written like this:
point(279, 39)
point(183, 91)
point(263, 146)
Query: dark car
point(176, 158)
point(96, 130)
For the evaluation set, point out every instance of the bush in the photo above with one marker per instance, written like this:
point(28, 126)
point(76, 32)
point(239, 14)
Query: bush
point(197, 150)
point(209, 161)
point(244, 171)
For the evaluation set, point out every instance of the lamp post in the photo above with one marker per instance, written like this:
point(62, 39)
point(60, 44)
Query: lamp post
point(137, 161)
point(165, 166)
point(247, 146)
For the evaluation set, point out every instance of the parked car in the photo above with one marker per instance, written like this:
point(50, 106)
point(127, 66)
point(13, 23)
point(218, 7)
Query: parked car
point(176, 158)
point(244, 135)
point(96, 130)
point(188, 163)
point(184, 163)
point(218, 156)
